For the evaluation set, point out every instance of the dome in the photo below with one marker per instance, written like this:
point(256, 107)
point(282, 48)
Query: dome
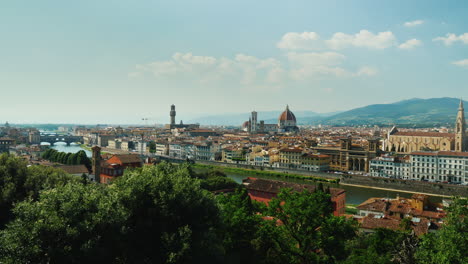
point(245, 124)
point(287, 115)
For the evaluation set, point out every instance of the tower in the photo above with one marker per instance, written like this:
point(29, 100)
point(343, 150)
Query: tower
point(460, 128)
point(253, 122)
point(96, 163)
point(173, 114)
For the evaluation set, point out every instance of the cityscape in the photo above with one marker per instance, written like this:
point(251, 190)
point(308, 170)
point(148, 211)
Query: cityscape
point(347, 148)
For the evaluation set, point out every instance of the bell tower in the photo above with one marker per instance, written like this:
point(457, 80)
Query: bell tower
point(96, 166)
point(172, 114)
point(460, 128)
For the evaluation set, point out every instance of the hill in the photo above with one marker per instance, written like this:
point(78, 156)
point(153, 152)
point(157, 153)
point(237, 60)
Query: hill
point(431, 112)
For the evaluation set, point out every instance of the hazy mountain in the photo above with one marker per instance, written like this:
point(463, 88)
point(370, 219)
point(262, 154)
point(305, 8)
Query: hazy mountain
point(434, 111)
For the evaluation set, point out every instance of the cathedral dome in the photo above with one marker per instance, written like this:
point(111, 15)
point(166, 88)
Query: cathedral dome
point(245, 124)
point(287, 115)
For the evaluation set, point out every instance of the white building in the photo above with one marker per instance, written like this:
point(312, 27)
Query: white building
point(441, 166)
point(390, 167)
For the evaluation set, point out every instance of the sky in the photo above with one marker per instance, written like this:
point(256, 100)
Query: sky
point(119, 61)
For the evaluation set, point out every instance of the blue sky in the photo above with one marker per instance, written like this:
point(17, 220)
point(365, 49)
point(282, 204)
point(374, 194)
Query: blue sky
point(119, 61)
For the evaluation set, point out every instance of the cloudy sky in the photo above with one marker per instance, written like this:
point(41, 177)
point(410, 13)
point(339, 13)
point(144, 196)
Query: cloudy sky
point(118, 61)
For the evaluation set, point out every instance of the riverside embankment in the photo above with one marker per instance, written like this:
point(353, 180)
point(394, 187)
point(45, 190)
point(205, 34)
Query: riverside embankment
point(362, 186)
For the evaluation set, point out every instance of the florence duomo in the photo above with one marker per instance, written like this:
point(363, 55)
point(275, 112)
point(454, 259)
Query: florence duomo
point(286, 123)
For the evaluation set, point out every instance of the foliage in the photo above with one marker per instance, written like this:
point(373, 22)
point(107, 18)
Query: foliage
point(156, 214)
point(450, 244)
point(377, 247)
point(302, 229)
point(240, 226)
point(152, 147)
point(67, 158)
point(19, 182)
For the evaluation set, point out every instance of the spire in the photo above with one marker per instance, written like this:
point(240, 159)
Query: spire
point(460, 107)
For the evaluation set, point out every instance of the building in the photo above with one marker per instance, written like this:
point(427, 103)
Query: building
point(286, 123)
point(263, 190)
point(172, 125)
point(390, 167)
point(411, 141)
point(388, 213)
point(350, 157)
point(34, 137)
point(440, 166)
point(296, 158)
point(116, 165)
point(5, 144)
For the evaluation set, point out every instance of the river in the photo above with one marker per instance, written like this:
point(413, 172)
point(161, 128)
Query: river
point(354, 195)
point(73, 148)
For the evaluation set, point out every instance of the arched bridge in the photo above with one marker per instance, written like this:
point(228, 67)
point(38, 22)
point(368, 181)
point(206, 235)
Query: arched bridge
point(52, 139)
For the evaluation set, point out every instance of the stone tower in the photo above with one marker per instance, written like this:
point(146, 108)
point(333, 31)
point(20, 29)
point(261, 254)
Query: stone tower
point(460, 128)
point(253, 123)
point(97, 163)
point(173, 114)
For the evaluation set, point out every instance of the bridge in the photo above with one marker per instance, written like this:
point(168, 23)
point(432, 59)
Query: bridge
point(52, 139)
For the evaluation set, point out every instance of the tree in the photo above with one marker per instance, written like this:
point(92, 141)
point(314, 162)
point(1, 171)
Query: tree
point(378, 247)
point(19, 182)
point(152, 147)
point(170, 218)
point(302, 228)
point(450, 244)
point(239, 227)
point(74, 223)
point(154, 215)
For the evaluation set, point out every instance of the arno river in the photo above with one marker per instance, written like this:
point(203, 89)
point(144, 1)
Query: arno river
point(354, 195)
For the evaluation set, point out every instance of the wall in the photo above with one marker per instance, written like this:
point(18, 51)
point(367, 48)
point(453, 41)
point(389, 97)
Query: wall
point(407, 185)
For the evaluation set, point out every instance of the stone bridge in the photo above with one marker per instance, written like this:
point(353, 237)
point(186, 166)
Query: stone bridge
point(52, 139)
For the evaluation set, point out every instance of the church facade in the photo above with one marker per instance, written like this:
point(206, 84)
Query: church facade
point(407, 142)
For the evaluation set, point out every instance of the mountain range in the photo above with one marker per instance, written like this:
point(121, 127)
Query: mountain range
point(412, 112)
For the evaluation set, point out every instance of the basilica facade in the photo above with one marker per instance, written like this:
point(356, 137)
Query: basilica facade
point(407, 142)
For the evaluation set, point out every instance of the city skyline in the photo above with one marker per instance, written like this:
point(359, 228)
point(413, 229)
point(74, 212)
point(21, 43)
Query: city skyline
point(120, 61)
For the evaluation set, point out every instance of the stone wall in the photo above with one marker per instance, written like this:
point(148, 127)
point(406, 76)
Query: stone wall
point(406, 185)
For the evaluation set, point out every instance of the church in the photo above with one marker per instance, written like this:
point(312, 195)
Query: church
point(286, 123)
point(407, 142)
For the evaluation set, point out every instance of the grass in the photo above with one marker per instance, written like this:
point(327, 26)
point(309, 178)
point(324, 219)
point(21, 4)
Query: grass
point(253, 172)
point(351, 209)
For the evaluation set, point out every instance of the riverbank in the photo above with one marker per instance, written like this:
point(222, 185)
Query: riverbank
point(368, 183)
point(393, 190)
point(253, 173)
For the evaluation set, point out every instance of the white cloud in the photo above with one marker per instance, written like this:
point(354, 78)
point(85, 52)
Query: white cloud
point(363, 38)
point(300, 41)
point(413, 23)
point(461, 63)
point(250, 71)
point(410, 44)
point(304, 66)
point(242, 69)
point(451, 38)
point(366, 71)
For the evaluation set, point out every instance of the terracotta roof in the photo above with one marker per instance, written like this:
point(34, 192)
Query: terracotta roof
point(371, 222)
point(74, 169)
point(128, 158)
point(374, 204)
point(441, 153)
point(287, 115)
point(424, 134)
